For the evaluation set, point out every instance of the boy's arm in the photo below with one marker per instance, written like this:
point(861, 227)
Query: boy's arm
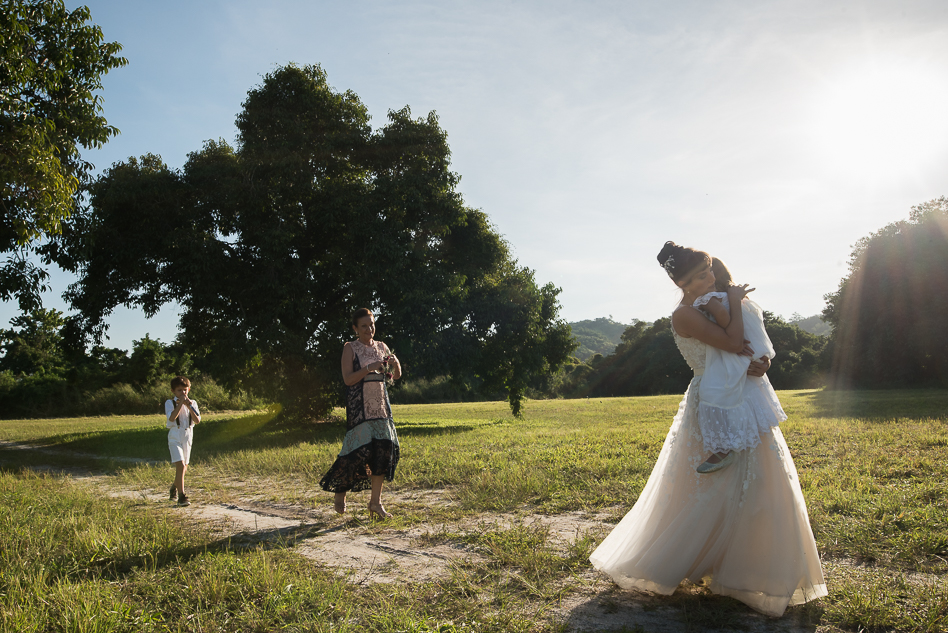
point(193, 410)
point(715, 308)
point(172, 410)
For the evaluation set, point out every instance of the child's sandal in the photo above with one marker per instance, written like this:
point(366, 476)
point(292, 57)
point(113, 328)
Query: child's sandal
point(712, 467)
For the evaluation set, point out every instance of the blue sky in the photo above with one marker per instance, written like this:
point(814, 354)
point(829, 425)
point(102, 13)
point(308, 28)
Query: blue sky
point(773, 134)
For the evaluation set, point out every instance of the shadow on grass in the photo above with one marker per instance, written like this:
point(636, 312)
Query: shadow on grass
point(616, 610)
point(113, 450)
point(877, 406)
point(116, 569)
point(222, 435)
point(430, 431)
point(14, 461)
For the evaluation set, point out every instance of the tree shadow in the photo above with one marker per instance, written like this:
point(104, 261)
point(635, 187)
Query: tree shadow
point(874, 406)
point(117, 568)
point(260, 431)
point(430, 431)
point(14, 461)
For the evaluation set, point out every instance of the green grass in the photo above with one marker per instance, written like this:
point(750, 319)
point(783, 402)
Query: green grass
point(872, 466)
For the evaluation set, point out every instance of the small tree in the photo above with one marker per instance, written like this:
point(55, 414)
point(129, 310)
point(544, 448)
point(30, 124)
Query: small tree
point(151, 360)
point(34, 345)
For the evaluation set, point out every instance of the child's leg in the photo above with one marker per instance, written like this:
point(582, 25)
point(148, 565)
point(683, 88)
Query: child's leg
point(179, 469)
point(182, 467)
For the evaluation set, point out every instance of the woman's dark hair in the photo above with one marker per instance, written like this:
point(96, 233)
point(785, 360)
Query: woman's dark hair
point(358, 314)
point(681, 262)
point(722, 276)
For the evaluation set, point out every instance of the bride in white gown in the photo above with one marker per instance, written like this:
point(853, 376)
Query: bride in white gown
point(743, 530)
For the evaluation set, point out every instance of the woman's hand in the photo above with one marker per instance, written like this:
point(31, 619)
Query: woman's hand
point(375, 367)
point(393, 368)
point(758, 367)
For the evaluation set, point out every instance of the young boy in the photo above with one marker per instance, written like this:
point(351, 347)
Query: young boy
point(182, 413)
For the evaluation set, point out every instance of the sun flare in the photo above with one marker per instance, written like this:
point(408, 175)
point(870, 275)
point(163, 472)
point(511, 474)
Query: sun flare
point(884, 121)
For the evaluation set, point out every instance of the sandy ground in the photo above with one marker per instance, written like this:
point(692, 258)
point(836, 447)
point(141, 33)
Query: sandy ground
point(369, 553)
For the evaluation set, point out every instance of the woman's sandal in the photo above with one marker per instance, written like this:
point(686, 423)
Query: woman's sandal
point(339, 503)
point(376, 511)
point(712, 467)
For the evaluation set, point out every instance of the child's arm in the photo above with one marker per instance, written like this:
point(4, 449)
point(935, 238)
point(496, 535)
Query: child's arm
point(193, 410)
point(172, 409)
point(715, 308)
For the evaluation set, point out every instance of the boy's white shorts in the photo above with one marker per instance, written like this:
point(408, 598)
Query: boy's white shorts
point(179, 443)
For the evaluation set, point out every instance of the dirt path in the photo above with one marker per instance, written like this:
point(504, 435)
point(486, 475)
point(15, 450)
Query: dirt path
point(365, 553)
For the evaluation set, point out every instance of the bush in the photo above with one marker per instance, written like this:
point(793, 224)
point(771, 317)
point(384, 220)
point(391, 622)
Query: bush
point(121, 399)
point(434, 390)
point(45, 397)
point(36, 396)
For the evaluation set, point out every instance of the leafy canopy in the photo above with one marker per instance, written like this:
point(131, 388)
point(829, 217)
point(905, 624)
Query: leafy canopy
point(51, 64)
point(269, 246)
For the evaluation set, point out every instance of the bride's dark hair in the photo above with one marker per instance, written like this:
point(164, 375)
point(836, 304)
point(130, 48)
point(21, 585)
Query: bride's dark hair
point(681, 262)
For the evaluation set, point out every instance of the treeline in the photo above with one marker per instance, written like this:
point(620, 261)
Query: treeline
point(45, 373)
point(884, 327)
point(647, 361)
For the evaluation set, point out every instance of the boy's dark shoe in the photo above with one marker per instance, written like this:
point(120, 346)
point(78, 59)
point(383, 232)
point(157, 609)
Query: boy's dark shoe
point(173, 493)
point(183, 500)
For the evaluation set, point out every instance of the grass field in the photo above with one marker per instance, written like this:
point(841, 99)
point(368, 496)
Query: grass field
point(873, 467)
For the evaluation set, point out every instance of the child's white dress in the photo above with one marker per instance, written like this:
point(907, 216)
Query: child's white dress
point(729, 420)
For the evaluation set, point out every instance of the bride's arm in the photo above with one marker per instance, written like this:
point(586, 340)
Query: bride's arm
point(689, 322)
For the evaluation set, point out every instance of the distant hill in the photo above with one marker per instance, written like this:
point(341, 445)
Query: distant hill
point(597, 336)
point(813, 324)
point(600, 336)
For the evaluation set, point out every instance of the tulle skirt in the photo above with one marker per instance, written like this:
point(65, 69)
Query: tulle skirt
point(744, 530)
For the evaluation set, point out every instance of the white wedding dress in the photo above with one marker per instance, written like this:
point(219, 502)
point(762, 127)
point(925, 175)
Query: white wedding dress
point(744, 530)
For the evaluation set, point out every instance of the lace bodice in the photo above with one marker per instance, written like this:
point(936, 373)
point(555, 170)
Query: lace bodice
point(692, 349)
point(368, 399)
point(369, 354)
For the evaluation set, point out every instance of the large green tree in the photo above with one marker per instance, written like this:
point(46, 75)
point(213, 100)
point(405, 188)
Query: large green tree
point(52, 61)
point(269, 246)
point(889, 313)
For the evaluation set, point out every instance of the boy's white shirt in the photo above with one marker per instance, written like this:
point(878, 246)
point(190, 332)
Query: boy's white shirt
point(184, 416)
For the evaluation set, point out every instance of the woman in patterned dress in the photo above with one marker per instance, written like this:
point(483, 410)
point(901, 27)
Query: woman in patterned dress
point(369, 452)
